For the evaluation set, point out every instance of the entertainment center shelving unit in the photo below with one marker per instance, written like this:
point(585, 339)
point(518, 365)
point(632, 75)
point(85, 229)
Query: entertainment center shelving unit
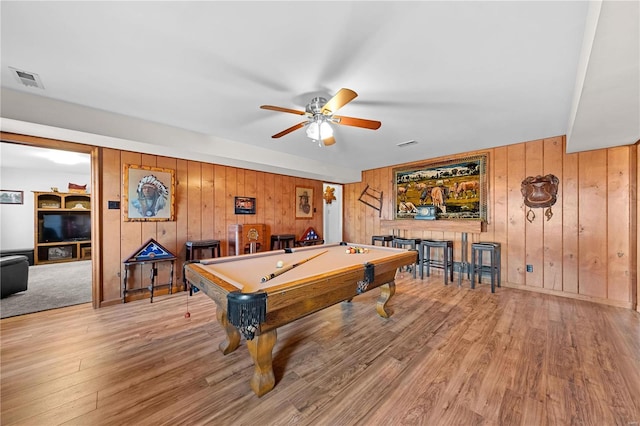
point(67, 234)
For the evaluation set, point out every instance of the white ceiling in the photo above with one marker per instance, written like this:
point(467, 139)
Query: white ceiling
point(186, 79)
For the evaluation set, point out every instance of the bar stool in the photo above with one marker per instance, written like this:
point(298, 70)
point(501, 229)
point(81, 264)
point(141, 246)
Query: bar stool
point(193, 246)
point(477, 251)
point(446, 264)
point(410, 243)
point(385, 240)
point(282, 240)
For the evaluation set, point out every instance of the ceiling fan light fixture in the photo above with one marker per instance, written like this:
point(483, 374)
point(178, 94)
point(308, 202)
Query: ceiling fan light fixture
point(326, 131)
point(313, 130)
point(319, 129)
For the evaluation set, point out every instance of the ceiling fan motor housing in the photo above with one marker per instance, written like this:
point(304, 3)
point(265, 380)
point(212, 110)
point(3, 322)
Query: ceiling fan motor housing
point(315, 106)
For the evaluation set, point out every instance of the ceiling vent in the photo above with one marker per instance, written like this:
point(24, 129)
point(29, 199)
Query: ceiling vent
point(27, 78)
point(407, 143)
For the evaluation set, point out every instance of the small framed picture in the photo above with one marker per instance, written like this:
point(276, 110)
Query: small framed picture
point(11, 197)
point(148, 193)
point(304, 202)
point(245, 205)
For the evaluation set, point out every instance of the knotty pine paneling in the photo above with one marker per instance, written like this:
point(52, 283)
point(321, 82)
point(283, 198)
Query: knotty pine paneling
point(570, 224)
point(219, 217)
point(279, 206)
point(370, 222)
point(194, 201)
point(289, 221)
point(592, 219)
point(208, 203)
point(588, 249)
point(498, 204)
point(552, 229)
point(111, 187)
point(516, 211)
point(231, 185)
point(250, 185)
point(358, 218)
point(167, 232)
point(266, 203)
point(261, 213)
point(619, 244)
point(534, 231)
point(386, 185)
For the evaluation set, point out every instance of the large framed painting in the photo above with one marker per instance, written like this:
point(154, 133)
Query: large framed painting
point(451, 189)
point(148, 193)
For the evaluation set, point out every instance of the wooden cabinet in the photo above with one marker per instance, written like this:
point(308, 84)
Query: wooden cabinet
point(244, 238)
point(62, 227)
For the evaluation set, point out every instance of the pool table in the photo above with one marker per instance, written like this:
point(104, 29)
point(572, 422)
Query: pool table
point(254, 296)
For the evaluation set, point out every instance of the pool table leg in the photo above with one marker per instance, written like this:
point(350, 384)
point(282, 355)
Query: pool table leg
point(261, 348)
point(387, 291)
point(232, 341)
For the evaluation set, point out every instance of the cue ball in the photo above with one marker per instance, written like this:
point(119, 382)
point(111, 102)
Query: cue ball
point(280, 264)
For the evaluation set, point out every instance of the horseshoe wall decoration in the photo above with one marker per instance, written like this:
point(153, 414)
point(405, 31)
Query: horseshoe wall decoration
point(540, 191)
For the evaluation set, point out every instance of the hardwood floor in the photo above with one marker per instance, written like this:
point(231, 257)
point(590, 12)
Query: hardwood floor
point(447, 356)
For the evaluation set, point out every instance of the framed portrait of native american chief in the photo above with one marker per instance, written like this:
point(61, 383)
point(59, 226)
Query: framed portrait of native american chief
point(304, 202)
point(450, 189)
point(148, 193)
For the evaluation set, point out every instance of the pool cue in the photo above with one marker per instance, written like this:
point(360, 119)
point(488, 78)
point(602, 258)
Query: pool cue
point(288, 268)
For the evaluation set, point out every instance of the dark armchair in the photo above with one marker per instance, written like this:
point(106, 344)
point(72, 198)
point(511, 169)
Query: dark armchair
point(14, 274)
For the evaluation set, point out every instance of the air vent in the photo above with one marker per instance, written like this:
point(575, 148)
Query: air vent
point(27, 78)
point(407, 143)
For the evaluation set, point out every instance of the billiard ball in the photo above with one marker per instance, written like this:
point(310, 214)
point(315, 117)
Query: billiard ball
point(280, 264)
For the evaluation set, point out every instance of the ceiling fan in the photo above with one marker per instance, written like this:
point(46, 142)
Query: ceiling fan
point(320, 113)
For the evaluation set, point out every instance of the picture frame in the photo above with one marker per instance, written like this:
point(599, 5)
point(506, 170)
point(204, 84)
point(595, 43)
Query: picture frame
point(304, 202)
point(148, 193)
point(245, 205)
point(457, 188)
point(8, 196)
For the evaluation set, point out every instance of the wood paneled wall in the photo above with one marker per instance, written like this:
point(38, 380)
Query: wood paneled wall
point(204, 210)
point(588, 248)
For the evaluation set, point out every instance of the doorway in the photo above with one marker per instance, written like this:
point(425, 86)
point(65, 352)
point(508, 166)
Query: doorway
point(30, 167)
point(332, 215)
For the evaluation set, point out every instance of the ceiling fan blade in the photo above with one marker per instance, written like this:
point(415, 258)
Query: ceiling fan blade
point(289, 130)
point(277, 108)
point(328, 141)
point(357, 122)
point(343, 97)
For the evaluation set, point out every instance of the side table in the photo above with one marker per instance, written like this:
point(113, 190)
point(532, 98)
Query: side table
point(151, 253)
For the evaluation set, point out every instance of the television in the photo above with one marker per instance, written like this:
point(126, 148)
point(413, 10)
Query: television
point(67, 226)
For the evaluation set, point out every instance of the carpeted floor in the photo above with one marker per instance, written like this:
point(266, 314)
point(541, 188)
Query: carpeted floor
point(51, 286)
